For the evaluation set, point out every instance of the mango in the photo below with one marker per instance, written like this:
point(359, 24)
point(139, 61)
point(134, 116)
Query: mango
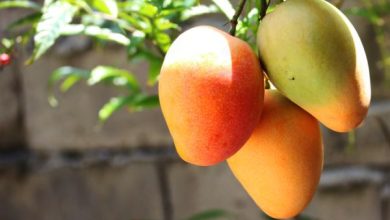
point(281, 164)
point(314, 56)
point(211, 94)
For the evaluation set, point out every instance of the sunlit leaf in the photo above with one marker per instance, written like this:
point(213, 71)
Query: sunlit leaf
point(115, 76)
point(107, 6)
point(148, 10)
point(136, 39)
point(139, 7)
point(154, 70)
point(7, 43)
point(112, 106)
point(57, 15)
point(46, 4)
point(155, 63)
point(95, 31)
point(134, 102)
point(140, 23)
point(163, 40)
point(226, 7)
point(198, 10)
point(166, 3)
point(164, 24)
point(69, 82)
point(70, 75)
point(19, 4)
point(140, 102)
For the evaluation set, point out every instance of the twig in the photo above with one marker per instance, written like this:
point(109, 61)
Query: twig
point(264, 7)
point(233, 21)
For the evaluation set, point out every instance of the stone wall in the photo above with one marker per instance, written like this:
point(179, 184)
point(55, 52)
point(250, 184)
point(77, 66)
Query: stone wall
point(56, 164)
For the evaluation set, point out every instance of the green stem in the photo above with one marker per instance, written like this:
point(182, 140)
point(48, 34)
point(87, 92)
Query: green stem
point(233, 21)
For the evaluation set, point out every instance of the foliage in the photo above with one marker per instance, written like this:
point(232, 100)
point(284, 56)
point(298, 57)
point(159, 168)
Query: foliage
point(375, 13)
point(144, 28)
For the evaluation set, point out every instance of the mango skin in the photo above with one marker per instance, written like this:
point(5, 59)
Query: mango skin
point(211, 93)
point(314, 56)
point(281, 164)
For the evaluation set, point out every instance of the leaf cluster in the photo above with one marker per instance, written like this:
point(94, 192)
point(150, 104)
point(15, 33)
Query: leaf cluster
point(145, 29)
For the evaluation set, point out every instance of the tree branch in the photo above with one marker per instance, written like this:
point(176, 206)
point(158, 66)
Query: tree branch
point(233, 21)
point(264, 7)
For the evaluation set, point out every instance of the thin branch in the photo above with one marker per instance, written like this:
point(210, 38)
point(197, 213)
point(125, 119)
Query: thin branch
point(264, 7)
point(233, 21)
point(338, 3)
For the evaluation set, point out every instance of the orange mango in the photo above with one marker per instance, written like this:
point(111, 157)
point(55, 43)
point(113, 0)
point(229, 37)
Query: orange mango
point(211, 94)
point(281, 164)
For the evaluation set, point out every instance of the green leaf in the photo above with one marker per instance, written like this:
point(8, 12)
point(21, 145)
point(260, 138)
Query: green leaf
point(148, 10)
point(136, 40)
point(163, 24)
point(140, 23)
point(26, 20)
point(226, 7)
point(70, 74)
point(166, 3)
point(57, 15)
point(69, 82)
point(139, 7)
point(154, 70)
point(247, 27)
point(197, 11)
point(155, 63)
point(95, 31)
point(135, 102)
point(112, 106)
point(19, 4)
point(7, 43)
point(211, 215)
point(66, 71)
point(140, 102)
point(106, 6)
point(117, 77)
point(46, 4)
point(163, 40)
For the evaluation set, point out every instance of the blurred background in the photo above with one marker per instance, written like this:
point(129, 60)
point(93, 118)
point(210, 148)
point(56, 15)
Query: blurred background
point(60, 163)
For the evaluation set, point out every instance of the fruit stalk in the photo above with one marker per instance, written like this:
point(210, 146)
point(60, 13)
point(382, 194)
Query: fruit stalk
point(233, 21)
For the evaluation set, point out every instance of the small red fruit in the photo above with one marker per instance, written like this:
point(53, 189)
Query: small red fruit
point(5, 59)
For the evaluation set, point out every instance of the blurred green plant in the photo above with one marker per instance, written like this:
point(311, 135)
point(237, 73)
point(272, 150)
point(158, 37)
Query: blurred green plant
point(145, 29)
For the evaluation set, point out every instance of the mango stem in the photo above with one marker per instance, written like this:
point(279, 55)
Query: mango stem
point(234, 20)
